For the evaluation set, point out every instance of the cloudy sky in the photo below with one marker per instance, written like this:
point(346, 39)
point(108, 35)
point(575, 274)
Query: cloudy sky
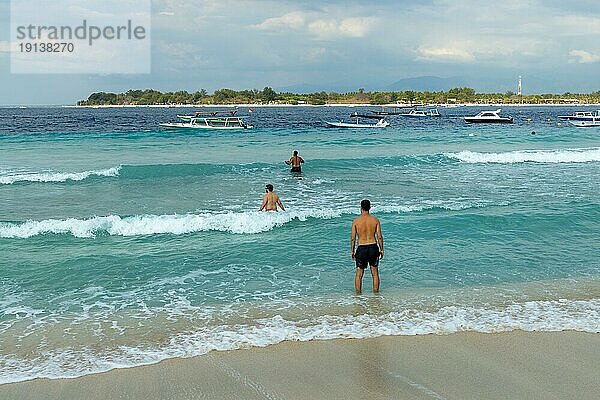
point(344, 44)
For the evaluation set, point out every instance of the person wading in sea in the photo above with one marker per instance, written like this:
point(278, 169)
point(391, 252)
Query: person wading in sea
point(295, 162)
point(368, 229)
point(270, 200)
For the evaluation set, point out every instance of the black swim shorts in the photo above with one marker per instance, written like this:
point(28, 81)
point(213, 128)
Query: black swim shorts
point(296, 169)
point(367, 254)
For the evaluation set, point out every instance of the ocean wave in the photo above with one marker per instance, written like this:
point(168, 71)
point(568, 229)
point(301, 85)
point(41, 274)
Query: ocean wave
point(535, 156)
point(549, 316)
point(249, 222)
point(167, 170)
point(10, 178)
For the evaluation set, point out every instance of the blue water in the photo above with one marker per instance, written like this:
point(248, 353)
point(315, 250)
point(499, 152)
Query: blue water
point(122, 244)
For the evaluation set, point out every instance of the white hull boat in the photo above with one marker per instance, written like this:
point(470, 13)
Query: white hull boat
point(381, 122)
point(489, 117)
point(204, 125)
point(350, 125)
point(421, 113)
point(209, 120)
point(586, 124)
point(582, 116)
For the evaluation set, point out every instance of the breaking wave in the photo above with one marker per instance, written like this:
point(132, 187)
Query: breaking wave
point(549, 316)
point(249, 222)
point(535, 156)
point(10, 178)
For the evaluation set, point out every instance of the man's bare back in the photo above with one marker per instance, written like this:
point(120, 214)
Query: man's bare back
point(370, 245)
point(366, 227)
point(295, 162)
point(271, 200)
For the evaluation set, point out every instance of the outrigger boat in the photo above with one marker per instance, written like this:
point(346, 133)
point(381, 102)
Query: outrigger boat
point(489, 117)
point(381, 122)
point(209, 120)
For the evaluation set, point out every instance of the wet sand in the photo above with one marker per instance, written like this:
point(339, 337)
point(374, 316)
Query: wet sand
point(514, 365)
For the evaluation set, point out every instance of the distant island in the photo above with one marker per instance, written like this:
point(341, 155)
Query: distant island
point(267, 96)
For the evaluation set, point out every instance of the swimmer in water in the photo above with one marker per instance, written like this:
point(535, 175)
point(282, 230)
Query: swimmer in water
point(370, 246)
point(295, 162)
point(270, 200)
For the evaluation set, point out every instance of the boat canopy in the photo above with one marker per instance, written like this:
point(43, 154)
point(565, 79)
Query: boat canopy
point(215, 113)
point(357, 115)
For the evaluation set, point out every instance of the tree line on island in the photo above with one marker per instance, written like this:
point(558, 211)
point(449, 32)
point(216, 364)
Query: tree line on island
point(270, 96)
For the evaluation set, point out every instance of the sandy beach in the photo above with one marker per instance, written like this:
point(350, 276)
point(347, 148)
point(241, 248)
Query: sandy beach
point(134, 247)
point(435, 167)
point(514, 365)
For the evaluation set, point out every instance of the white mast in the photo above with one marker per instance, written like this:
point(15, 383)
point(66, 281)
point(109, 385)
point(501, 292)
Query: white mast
point(520, 89)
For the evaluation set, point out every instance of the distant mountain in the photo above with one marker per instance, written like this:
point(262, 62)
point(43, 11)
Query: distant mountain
point(306, 88)
point(531, 84)
point(430, 84)
point(420, 84)
point(426, 84)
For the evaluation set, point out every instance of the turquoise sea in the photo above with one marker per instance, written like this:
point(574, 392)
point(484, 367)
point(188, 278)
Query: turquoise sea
point(122, 244)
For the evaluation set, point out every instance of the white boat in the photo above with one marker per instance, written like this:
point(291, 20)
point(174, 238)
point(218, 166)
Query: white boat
point(450, 105)
point(381, 122)
point(421, 113)
point(489, 117)
point(582, 116)
point(586, 123)
point(209, 120)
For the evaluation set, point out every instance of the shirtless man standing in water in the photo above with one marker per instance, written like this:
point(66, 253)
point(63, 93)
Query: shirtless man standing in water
point(295, 162)
point(270, 200)
point(368, 252)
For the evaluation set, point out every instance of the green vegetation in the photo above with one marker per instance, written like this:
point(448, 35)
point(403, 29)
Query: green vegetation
point(270, 96)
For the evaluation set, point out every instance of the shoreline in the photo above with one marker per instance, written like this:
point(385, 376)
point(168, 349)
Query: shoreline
point(465, 365)
point(330, 105)
point(333, 105)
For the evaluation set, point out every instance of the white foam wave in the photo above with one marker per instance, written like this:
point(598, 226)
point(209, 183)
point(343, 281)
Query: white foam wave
point(549, 316)
point(249, 222)
point(244, 222)
point(536, 156)
point(10, 177)
point(452, 205)
point(320, 181)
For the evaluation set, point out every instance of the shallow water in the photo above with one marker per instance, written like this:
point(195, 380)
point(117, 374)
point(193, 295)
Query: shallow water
point(122, 244)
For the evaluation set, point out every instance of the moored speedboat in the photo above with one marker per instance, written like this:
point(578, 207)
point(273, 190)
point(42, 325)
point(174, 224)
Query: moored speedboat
point(489, 117)
point(381, 122)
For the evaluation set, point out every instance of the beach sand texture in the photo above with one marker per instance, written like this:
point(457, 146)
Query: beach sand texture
point(513, 365)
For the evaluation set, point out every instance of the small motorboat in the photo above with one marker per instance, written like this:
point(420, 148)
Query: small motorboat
point(433, 112)
point(489, 117)
point(381, 122)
